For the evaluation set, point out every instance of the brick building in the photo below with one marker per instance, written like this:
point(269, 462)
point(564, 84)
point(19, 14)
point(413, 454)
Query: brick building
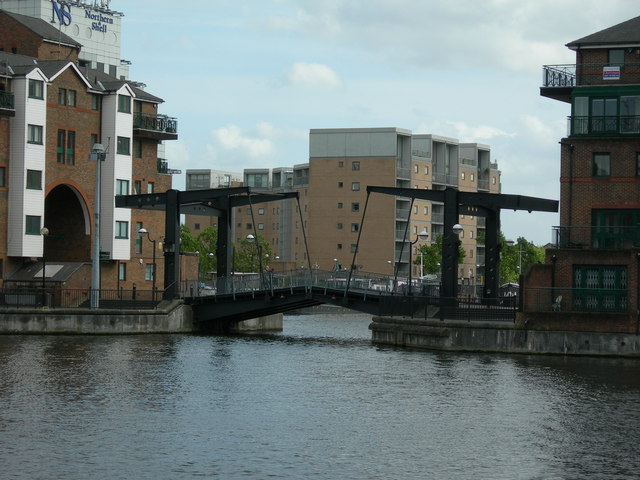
point(593, 266)
point(53, 110)
point(325, 224)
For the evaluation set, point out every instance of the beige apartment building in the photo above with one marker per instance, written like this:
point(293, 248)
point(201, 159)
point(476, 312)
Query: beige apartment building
point(321, 229)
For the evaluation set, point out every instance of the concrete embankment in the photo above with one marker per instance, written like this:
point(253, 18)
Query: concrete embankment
point(169, 317)
point(451, 335)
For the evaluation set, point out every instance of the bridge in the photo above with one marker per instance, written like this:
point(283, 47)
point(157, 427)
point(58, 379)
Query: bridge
point(245, 296)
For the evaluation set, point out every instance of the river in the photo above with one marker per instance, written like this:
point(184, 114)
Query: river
point(316, 401)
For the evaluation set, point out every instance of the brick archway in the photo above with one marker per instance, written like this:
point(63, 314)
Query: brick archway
point(67, 218)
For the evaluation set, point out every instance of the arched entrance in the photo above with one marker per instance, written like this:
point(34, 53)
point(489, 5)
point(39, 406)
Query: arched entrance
point(68, 220)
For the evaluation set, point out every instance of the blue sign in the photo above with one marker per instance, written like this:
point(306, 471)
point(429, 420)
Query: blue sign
point(62, 12)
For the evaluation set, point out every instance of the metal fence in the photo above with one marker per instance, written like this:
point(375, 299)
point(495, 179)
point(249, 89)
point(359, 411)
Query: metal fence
point(25, 297)
point(576, 300)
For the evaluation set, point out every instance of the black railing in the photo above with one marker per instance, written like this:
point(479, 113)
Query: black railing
point(611, 125)
point(6, 100)
point(590, 74)
point(596, 300)
point(598, 237)
point(26, 297)
point(156, 123)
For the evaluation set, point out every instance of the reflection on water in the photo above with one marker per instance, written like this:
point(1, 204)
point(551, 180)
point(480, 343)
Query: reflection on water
point(317, 401)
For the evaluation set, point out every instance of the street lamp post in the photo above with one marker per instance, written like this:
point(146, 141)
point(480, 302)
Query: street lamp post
point(253, 239)
point(144, 231)
point(44, 231)
point(98, 153)
point(423, 235)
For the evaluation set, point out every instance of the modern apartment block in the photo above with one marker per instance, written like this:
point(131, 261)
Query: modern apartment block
point(597, 253)
point(52, 112)
point(322, 229)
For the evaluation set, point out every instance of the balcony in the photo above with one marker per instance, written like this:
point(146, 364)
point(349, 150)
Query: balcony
point(600, 237)
point(163, 168)
point(604, 126)
point(157, 127)
point(559, 80)
point(7, 107)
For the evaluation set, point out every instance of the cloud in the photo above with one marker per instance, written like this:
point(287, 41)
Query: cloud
point(231, 138)
point(478, 133)
point(313, 75)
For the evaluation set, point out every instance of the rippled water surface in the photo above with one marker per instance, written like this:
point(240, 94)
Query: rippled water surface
point(315, 402)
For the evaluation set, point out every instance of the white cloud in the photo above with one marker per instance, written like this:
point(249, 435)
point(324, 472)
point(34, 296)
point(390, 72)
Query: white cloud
point(478, 133)
point(231, 138)
point(313, 75)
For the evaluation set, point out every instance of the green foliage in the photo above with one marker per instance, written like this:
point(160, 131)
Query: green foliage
point(246, 257)
point(205, 244)
point(512, 257)
point(432, 256)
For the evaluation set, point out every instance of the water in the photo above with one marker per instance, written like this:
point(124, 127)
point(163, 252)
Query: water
point(315, 402)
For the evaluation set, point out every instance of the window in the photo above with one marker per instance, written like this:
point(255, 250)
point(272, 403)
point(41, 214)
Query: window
point(36, 89)
point(96, 101)
point(150, 187)
point(493, 180)
point(122, 272)
point(124, 104)
point(66, 148)
point(3, 176)
point(261, 211)
point(137, 187)
point(462, 175)
point(261, 226)
point(355, 165)
point(249, 226)
point(353, 248)
point(426, 170)
point(93, 139)
point(138, 243)
point(196, 226)
point(122, 229)
point(355, 227)
point(414, 229)
point(71, 148)
point(616, 56)
point(34, 179)
point(340, 184)
point(34, 133)
point(355, 186)
point(340, 204)
point(339, 226)
point(601, 164)
point(340, 164)
point(122, 188)
point(66, 97)
point(62, 141)
point(32, 225)
point(416, 168)
point(600, 288)
point(415, 209)
point(425, 210)
point(137, 148)
point(339, 246)
point(472, 177)
point(355, 207)
point(148, 272)
point(470, 233)
point(124, 146)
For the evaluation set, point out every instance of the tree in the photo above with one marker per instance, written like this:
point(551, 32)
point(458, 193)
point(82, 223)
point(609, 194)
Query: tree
point(515, 259)
point(432, 256)
point(246, 259)
point(205, 244)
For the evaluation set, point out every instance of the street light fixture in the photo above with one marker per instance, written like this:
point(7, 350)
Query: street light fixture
point(98, 154)
point(423, 235)
point(143, 231)
point(252, 239)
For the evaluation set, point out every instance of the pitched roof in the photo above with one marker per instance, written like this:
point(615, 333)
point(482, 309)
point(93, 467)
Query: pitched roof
point(624, 33)
point(43, 29)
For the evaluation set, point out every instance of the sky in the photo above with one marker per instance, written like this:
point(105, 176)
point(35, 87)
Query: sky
point(248, 79)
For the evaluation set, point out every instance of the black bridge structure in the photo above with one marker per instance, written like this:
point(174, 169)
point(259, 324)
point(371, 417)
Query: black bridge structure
point(237, 297)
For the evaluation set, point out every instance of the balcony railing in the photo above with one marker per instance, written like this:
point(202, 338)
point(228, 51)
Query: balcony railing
point(6, 100)
point(598, 237)
point(604, 125)
point(590, 74)
point(155, 123)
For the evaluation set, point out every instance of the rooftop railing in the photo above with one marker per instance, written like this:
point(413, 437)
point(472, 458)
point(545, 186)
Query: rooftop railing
point(590, 74)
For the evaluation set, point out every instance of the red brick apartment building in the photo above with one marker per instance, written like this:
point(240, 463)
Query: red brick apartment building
point(591, 279)
point(53, 110)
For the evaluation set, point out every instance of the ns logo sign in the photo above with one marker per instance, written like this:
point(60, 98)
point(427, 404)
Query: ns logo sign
point(62, 12)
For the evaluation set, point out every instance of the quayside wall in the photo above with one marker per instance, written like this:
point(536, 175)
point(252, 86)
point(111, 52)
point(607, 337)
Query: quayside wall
point(498, 337)
point(168, 317)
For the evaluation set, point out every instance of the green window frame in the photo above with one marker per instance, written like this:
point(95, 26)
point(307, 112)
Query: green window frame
point(67, 97)
point(615, 228)
point(122, 271)
point(62, 142)
point(36, 89)
point(122, 187)
point(96, 102)
point(123, 146)
point(137, 148)
point(601, 164)
point(32, 225)
point(122, 229)
point(124, 104)
point(34, 179)
point(137, 248)
point(148, 272)
point(34, 134)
